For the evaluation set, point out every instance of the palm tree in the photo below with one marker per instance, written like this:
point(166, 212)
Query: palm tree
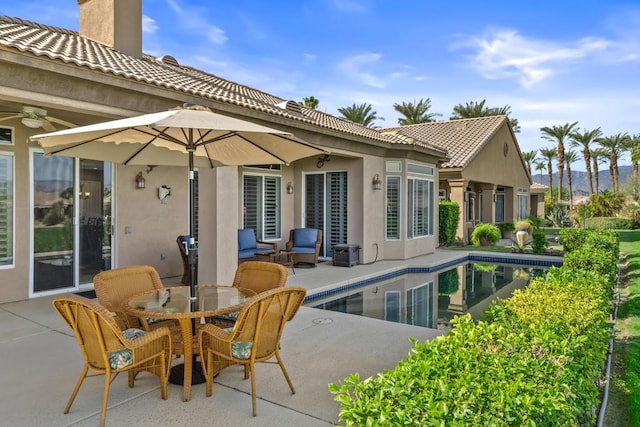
point(415, 113)
point(558, 134)
point(540, 167)
point(570, 156)
point(614, 146)
point(598, 155)
point(310, 102)
point(478, 109)
point(549, 154)
point(584, 139)
point(634, 142)
point(530, 157)
point(362, 114)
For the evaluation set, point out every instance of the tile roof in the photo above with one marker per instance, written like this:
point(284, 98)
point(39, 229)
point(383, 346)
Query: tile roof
point(68, 46)
point(463, 138)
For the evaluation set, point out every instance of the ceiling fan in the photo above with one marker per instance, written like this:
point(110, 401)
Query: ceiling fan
point(34, 118)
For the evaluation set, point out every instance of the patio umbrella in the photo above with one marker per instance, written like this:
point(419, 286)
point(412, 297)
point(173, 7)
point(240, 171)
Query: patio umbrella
point(190, 135)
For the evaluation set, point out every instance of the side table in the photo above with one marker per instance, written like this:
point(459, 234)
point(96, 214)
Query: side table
point(281, 257)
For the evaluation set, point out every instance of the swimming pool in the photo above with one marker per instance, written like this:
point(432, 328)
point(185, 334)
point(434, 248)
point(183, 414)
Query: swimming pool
point(432, 299)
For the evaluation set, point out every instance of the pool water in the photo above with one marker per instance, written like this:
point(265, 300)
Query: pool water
point(432, 300)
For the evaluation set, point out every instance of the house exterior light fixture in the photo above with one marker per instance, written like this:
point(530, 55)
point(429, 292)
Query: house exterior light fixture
point(139, 180)
point(289, 188)
point(376, 183)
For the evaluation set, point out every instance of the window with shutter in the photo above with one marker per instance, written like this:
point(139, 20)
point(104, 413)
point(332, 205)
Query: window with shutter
point(261, 205)
point(6, 210)
point(393, 208)
point(326, 207)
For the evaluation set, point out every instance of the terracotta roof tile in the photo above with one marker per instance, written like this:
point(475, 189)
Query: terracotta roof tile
point(463, 139)
point(68, 46)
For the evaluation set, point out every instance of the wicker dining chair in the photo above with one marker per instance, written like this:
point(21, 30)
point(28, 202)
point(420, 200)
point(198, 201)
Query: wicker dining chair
point(114, 287)
point(258, 276)
point(254, 338)
point(108, 351)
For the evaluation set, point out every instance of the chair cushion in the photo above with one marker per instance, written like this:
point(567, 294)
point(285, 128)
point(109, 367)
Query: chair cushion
point(304, 250)
point(240, 349)
point(121, 358)
point(247, 253)
point(133, 333)
point(305, 237)
point(246, 239)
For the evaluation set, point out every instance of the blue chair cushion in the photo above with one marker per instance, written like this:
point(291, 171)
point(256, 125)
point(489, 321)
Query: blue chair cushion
point(185, 243)
point(246, 240)
point(304, 249)
point(304, 237)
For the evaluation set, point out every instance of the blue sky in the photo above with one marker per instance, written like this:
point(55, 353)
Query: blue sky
point(552, 62)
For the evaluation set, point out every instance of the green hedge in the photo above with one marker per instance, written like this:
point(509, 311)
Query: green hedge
point(448, 222)
point(534, 360)
point(613, 223)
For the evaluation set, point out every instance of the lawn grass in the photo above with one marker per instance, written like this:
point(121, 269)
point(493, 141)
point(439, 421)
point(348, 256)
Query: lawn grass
point(628, 327)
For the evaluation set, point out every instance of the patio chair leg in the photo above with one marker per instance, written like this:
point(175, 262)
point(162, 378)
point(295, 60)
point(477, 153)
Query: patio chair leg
point(105, 398)
point(164, 375)
point(208, 372)
point(252, 374)
point(284, 371)
point(77, 388)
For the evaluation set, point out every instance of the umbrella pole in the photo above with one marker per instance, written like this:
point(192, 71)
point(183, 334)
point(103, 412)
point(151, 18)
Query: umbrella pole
point(193, 261)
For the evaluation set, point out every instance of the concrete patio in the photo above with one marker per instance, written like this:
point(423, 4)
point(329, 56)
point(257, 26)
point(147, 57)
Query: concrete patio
point(42, 363)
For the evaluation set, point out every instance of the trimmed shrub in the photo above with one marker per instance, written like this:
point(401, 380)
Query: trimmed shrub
point(485, 234)
point(572, 238)
point(613, 223)
point(539, 242)
point(535, 360)
point(448, 222)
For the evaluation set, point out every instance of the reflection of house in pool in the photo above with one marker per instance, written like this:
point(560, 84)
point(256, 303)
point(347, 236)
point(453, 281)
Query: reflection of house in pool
point(432, 299)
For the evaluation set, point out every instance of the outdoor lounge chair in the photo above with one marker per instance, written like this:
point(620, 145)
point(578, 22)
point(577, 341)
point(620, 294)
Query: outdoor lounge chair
point(107, 350)
point(255, 337)
point(305, 242)
point(114, 287)
point(248, 245)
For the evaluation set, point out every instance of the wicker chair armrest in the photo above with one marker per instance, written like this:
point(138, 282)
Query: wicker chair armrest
point(156, 334)
point(121, 318)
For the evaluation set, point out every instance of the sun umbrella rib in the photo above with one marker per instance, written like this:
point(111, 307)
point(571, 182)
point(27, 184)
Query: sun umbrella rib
point(81, 143)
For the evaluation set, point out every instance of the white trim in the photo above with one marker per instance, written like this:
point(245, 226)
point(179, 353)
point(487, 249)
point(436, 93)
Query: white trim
point(13, 211)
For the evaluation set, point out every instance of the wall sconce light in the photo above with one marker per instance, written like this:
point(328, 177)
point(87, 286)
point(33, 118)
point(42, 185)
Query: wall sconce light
point(322, 160)
point(289, 188)
point(377, 184)
point(139, 180)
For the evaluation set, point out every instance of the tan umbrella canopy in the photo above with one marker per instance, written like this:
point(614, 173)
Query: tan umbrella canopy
point(191, 135)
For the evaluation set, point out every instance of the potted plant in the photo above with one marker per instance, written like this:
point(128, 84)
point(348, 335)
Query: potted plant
point(485, 235)
point(506, 228)
point(523, 230)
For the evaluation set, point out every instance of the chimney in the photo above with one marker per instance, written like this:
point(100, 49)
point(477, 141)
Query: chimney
point(114, 23)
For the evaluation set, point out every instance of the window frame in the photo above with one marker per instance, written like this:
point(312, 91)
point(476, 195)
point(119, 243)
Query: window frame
point(398, 212)
point(412, 206)
point(11, 229)
point(261, 211)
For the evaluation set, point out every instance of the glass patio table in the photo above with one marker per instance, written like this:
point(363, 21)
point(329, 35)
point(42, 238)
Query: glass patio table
point(176, 303)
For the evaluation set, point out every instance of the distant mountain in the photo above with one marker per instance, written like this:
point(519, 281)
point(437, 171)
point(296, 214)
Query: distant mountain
point(579, 180)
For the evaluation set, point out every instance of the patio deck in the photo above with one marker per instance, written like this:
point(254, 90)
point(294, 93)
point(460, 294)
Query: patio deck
point(42, 363)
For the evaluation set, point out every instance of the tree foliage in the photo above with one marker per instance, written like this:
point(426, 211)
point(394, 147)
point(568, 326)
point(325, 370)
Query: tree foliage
point(479, 109)
point(360, 113)
point(310, 102)
point(415, 112)
point(559, 134)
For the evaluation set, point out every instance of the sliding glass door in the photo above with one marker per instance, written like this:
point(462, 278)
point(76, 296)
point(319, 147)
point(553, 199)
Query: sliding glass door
point(71, 221)
point(326, 208)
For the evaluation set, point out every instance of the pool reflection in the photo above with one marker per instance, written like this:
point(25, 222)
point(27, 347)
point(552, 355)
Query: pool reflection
point(432, 299)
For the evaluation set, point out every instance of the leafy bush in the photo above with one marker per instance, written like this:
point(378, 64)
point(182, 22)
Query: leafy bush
point(572, 238)
point(485, 234)
point(539, 242)
point(535, 359)
point(613, 223)
point(505, 228)
point(448, 222)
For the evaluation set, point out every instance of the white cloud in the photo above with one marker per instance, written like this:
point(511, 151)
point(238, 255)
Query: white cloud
point(216, 35)
point(308, 58)
point(149, 25)
point(506, 54)
point(352, 67)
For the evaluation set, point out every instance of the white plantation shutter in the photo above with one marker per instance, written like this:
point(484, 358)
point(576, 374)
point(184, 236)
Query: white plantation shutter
point(393, 208)
point(261, 203)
